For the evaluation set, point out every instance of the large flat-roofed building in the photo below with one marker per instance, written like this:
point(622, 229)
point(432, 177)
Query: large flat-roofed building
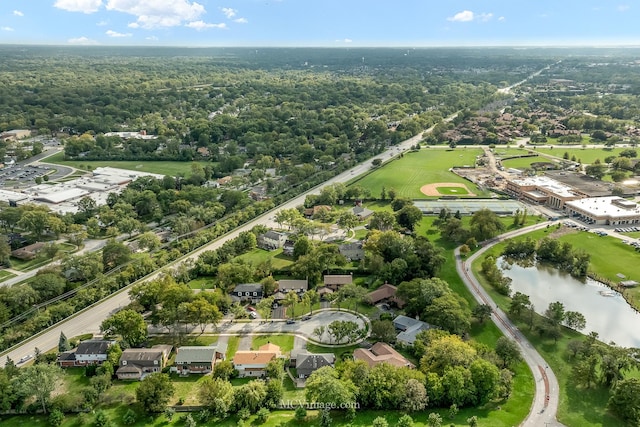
point(543, 190)
point(612, 210)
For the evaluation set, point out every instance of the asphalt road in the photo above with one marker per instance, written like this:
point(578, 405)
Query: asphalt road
point(545, 402)
point(89, 320)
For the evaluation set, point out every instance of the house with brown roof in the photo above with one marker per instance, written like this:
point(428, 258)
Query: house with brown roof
point(253, 363)
point(336, 281)
point(311, 212)
point(385, 293)
point(136, 363)
point(381, 353)
point(28, 252)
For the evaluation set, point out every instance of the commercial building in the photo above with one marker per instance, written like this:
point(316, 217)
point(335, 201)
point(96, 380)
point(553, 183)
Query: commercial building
point(542, 190)
point(612, 210)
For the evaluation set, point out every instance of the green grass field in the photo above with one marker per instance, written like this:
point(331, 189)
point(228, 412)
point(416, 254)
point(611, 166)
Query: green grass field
point(585, 155)
point(455, 191)
point(285, 342)
point(258, 256)
point(160, 167)
point(427, 166)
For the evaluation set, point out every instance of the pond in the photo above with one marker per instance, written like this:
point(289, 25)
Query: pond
point(605, 310)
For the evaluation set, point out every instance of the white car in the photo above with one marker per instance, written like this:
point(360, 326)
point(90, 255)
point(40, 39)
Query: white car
point(25, 358)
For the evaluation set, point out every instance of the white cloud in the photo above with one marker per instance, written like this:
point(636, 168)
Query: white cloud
point(501, 19)
point(6, 28)
point(112, 33)
point(152, 38)
point(241, 20)
point(228, 12)
point(82, 41)
point(158, 13)
point(18, 13)
point(201, 25)
point(84, 6)
point(344, 40)
point(623, 7)
point(102, 23)
point(464, 16)
point(468, 16)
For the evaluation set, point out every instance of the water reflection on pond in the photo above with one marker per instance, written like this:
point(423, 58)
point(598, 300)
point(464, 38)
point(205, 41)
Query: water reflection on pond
point(606, 311)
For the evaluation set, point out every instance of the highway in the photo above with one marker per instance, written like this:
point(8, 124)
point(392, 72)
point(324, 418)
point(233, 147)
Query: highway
point(545, 402)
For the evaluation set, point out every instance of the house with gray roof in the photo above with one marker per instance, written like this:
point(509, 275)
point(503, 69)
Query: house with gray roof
point(336, 281)
point(306, 363)
point(198, 359)
point(251, 292)
point(296, 285)
point(353, 251)
point(408, 329)
point(89, 352)
point(361, 212)
point(271, 240)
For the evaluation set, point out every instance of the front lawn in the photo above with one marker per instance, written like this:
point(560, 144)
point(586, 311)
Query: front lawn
point(285, 342)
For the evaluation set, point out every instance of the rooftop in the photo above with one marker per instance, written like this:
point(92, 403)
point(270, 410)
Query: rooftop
point(381, 353)
point(546, 183)
point(611, 207)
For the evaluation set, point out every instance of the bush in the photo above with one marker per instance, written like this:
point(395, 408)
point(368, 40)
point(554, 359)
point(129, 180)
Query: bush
point(56, 417)
point(129, 417)
point(262, 415)
point(244, 414)
point(101, 420)
point(301, 413)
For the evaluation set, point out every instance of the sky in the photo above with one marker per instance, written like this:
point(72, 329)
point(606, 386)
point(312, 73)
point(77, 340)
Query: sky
point(331, 23)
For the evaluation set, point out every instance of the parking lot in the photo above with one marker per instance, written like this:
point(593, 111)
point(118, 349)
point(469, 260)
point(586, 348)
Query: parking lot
point(22, 175)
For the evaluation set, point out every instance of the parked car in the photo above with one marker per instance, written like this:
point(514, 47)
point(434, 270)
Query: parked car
point(250, 308)
point(253, 315)
point(290, 321)
point(306, 317)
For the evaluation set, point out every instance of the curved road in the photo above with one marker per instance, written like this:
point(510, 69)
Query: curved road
point(545, 402)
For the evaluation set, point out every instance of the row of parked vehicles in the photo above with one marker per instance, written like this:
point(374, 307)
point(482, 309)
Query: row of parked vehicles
point(627, 229)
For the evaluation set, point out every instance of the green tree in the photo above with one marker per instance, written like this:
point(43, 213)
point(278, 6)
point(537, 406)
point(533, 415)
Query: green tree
point(485, 224)
point(39, 381)
point(625, 400)
point(380, 422)
point(129, 324)
point(63, 343)
point(324, 385)
point(217, 395)
point(508, 351)
point(405, 421)
point(114, 253)
point(250, 396)
point(481, 312)
point(154, 392)
point(408, 217)
point(56, 418)
point(434, 420)
point(383, 330)
point(348, 221)
point(450, 312)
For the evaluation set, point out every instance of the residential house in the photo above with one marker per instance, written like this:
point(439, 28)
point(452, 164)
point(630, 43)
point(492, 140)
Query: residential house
point(271, 240)
point(253, 363)
point(259, 193)
point(251, 292)
point(89, 352)
point(224, 180)
point(360, 211)
point(298, 286)
point(325, 293)
point(28, 252)
point(311, 212)
point(288, 247)
point(136, 363)
point(198, 359)
point(306, 363)
point(336, 281)
point(352, 251)
point(381, 353)
point(409, 328)
point(385, 293)
point(203, 151)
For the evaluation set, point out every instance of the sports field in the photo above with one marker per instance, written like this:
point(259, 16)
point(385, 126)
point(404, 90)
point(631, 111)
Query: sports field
point(160, 167)
point(585, 155)
point(427, 166)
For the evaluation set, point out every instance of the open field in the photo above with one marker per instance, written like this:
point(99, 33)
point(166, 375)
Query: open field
point(258, 256)
point(409, 173)
point(285, 342)
point(584, 155)
point(160, 167)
